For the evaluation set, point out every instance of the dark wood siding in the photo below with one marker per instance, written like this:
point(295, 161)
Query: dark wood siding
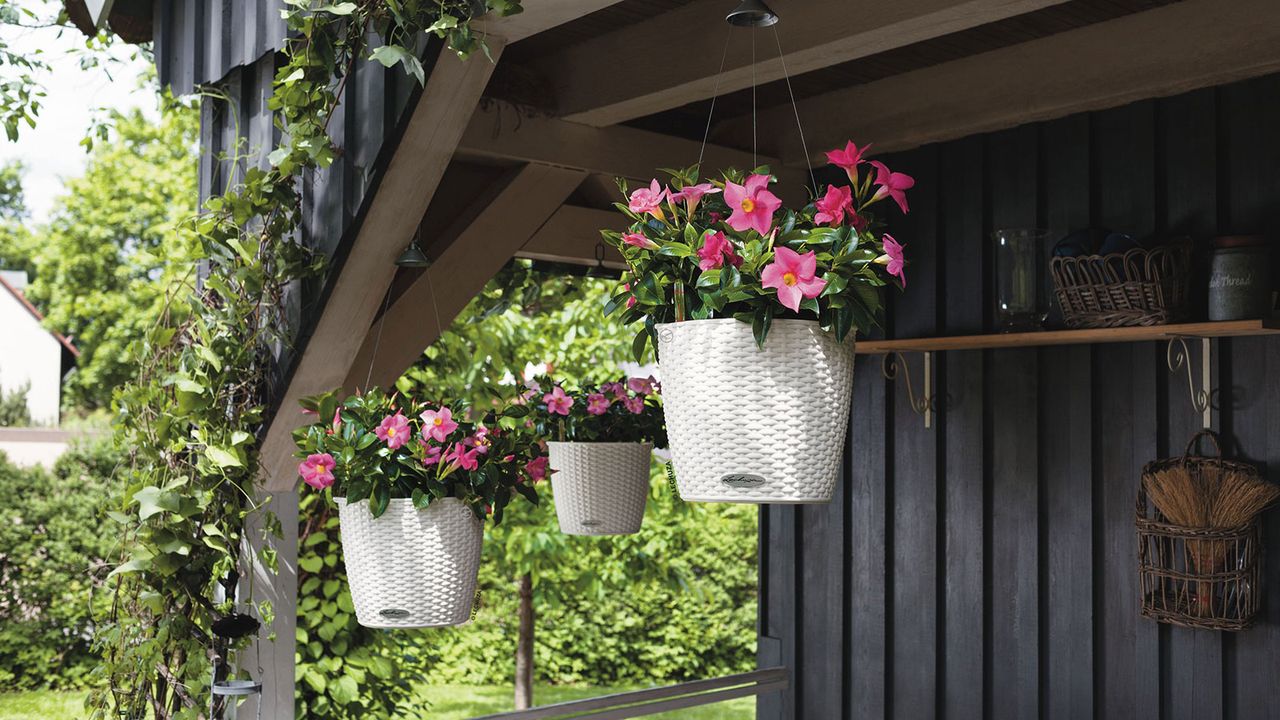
point(988, 565)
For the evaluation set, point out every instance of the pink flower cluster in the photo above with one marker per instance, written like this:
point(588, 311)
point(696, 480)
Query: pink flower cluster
point(630, 395)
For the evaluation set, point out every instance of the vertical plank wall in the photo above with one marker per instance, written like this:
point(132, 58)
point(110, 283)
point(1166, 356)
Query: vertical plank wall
point(985, 568)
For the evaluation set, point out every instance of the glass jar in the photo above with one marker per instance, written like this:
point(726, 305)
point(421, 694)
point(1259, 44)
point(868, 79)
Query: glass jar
point(1020, 297)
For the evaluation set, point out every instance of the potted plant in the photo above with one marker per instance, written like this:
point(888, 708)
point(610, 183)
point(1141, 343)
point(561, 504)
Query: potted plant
point(604, 435)
point(753, 309)
point(414, 483)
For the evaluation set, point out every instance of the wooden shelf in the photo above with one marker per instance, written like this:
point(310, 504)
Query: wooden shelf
point(995, 341)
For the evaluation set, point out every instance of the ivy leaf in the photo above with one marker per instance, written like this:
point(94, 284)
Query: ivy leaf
point(223, 458)
point(153, 501)
point(392, 55)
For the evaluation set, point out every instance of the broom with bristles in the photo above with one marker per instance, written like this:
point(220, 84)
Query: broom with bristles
point(1208, 495)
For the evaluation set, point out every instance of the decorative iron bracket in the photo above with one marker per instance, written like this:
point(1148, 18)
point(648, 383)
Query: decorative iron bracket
point(927, 403)
point(1177, 356)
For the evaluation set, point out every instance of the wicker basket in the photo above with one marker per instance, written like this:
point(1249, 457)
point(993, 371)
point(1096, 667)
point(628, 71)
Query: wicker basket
point(411, 568)
point(600, 488)
point(750, 425)
point(1138, 287)
point(1197, 577)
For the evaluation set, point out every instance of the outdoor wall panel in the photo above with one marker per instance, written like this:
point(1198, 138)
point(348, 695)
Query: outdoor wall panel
point(991, 561)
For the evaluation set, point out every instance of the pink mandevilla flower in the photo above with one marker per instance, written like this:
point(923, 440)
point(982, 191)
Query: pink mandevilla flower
point(715, 249)
point(640, 241)
point(317, 470)
point(598, 404)
point(394, 430)
point(849, 158)
point(893, 259)
point(793, 276)
point(690, 195)
point(640, 386)
point(893, 184)
point(634, 404)
point(616, 389)
point(437, 424)
point(480, 440)
point(648, 200)
point(631, 301)
point(464, 458)
point(832, 206)
point(536, 468)
point(752, 204)
point(558, 403)
point(431, 453)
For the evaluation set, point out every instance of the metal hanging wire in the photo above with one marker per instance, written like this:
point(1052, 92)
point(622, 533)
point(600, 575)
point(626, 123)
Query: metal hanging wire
point(755, 122)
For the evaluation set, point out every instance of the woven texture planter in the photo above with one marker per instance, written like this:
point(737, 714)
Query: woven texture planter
point(411, 568)
point(750, 425)
point(600, 488)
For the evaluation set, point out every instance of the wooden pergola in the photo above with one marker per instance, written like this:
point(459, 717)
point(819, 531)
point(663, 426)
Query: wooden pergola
point(516, 158)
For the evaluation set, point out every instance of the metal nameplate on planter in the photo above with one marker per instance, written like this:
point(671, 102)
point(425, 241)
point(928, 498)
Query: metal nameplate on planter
point(742, 480)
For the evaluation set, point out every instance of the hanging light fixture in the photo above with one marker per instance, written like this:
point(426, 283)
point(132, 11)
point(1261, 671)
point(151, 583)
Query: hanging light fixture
point(413, 257)
point(752, 13)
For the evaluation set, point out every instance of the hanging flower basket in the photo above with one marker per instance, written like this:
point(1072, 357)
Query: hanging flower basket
point(600, 465)
point(411, 568)
point(600, 488)
point(414, 483)
point(753, 309)
point(751, 424)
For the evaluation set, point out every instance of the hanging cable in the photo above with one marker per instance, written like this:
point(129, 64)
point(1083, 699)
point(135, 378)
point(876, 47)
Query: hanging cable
point(377, 340)
point(795, 109)
point(755, 161)
point(714, 96)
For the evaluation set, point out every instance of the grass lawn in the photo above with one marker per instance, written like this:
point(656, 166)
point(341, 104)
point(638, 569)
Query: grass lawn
point(42, 705)
point(448, 702)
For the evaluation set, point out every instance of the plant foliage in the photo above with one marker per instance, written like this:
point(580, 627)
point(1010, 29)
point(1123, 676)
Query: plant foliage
point(192, 419)
point(625, 410)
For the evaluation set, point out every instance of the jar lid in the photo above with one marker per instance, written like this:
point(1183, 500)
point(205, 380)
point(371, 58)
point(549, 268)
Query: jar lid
point(1239, 241)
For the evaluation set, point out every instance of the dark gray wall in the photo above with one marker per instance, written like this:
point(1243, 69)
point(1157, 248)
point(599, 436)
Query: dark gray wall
point(987, 568)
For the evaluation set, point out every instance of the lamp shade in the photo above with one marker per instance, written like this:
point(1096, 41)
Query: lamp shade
point(752, 13)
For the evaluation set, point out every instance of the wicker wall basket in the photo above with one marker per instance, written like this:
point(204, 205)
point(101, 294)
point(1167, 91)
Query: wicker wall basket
point(411, 568)
point(1138, 287)
point(755, 426)
point(600, 488)
point(1194, 577)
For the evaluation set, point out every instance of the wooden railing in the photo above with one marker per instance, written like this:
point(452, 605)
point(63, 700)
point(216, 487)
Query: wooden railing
point(638, 703)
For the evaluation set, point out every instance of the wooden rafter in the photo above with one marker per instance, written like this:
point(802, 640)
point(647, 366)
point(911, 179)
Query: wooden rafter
point(499, 132)
point(677, 53)
point(406, 188)
point(572, 235)
point(1105, 65)
point(540, 15)
point(475, 253)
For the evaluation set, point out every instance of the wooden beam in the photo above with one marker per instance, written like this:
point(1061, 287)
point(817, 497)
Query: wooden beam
point(677, 53)
point(452, 91)
point(509, 219)
point(538, 16)
point(500, 132)
point(572, 235)
point(1105, 65)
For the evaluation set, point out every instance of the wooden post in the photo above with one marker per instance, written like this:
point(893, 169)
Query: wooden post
point(271, 660)
point(524, 644)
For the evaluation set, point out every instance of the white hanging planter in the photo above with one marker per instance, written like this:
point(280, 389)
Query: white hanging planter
point(411, 568)
point(600, 488)
point(755, 426)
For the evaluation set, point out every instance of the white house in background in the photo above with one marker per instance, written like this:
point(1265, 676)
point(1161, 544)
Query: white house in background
point(30, 354)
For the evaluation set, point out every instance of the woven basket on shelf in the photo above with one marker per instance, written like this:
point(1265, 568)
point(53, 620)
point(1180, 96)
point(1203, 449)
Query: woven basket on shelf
point(1197, 577)
point(411, 568)
point(1138, 287)
point(750, 425)
point(600, 488)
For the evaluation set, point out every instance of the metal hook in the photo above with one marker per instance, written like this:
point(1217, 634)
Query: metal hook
point(1178, 356)
point(924, 405)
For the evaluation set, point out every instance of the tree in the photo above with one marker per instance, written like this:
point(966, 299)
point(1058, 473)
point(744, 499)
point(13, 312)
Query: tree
point(110, 248)
point(17, 247)
point(522, 317)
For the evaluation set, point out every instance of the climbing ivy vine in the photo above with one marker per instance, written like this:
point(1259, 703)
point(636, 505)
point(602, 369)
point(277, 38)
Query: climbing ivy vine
point(192, 421)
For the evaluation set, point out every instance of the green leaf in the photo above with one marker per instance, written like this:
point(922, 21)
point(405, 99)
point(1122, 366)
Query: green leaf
point(760, 323)
point(223, 457)
point(153, 501)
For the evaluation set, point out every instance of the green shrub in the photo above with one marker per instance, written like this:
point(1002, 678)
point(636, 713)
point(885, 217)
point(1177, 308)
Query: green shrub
point(52, 538)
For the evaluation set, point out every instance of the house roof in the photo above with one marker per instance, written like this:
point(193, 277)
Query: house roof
point(66, 344)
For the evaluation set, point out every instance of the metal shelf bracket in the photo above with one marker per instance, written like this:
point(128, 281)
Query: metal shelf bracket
point(1178, 356)
point(927, 403)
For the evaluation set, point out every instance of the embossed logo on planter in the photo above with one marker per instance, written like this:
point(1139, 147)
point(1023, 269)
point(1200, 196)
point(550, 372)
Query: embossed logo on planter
point(742, 480)
point(394, 613)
